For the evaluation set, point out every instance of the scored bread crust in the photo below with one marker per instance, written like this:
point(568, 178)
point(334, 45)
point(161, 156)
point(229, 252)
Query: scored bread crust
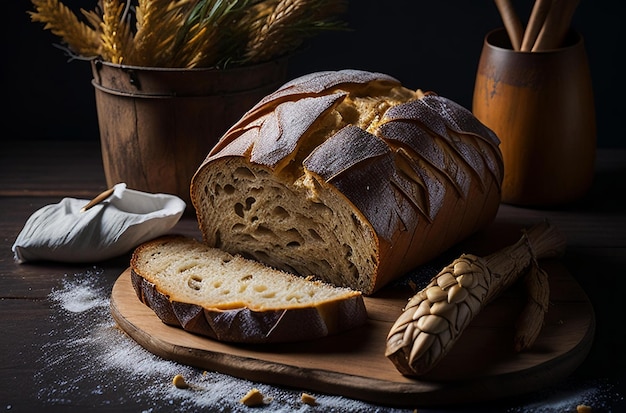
point(350, 176)
point(228, 298)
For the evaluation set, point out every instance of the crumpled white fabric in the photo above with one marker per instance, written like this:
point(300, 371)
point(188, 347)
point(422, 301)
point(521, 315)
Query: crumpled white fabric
point(61, 232)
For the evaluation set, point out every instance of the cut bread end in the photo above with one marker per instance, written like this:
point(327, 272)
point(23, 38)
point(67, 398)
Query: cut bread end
point(297, 227)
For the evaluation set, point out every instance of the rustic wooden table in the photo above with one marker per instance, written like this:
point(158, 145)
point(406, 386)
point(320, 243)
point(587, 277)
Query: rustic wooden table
point(61, 351)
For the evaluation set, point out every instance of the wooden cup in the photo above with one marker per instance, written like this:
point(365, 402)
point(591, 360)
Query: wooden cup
point(540, 104)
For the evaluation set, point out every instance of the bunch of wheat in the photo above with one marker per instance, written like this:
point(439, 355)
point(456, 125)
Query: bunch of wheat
point(188, 33)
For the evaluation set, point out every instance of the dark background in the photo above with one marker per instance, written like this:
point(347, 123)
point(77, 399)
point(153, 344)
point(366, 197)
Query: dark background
point(432, 45)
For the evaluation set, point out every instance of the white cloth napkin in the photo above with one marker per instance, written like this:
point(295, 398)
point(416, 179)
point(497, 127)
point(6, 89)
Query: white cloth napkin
point(62, 232)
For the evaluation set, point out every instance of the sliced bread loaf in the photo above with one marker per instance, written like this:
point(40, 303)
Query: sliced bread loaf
point(210, 292)
point(349, 175)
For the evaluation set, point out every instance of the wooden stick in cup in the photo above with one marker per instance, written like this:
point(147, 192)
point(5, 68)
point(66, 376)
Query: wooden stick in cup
point(556, 25)
point(535, 22)
point(512, 23)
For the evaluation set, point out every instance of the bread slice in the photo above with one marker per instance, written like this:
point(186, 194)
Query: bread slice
point(349, 175)
point(229, 298)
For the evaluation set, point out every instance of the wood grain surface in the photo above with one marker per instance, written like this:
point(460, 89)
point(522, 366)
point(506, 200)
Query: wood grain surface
point(482, 366)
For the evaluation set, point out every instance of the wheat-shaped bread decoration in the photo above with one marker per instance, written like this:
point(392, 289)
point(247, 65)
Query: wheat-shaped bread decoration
point(435, 317)
point(62, 22)
point(528, 327)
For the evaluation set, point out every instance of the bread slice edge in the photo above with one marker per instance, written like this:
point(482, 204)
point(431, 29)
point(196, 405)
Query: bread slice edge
point(343, 310)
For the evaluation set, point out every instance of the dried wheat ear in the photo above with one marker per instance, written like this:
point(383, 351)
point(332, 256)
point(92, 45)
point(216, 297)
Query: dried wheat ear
point(435, 317)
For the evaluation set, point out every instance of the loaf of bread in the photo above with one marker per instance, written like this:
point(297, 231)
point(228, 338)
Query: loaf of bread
point(226, 297)
point(350, 176)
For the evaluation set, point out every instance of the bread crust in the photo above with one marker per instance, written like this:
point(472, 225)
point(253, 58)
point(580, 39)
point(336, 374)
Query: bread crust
point(404, 176)
point(242, 324)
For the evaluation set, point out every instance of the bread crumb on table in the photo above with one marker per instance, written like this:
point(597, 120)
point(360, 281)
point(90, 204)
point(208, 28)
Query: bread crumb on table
point(308, 399)
point(583, 408)
point(179, 382)
point(253, 398)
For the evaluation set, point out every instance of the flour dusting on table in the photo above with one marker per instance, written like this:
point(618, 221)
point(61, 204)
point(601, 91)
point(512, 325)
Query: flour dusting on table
point(92, 360)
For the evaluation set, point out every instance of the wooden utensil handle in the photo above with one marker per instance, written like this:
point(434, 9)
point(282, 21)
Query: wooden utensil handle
point(556, 25)
point(101, 197)
point(511, 22)
point(535, 22)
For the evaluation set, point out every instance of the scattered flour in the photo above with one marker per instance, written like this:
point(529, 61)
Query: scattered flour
point(564, 398)
point(89, 362)
point(87, 365)
point(79, 296)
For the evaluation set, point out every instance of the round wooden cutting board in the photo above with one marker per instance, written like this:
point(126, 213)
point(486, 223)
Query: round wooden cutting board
point(481, 366)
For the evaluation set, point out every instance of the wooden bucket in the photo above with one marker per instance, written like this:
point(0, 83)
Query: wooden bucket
point(158, 124)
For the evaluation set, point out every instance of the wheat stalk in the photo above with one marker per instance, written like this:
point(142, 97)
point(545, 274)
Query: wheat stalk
point(61, 21)
point(205, 32)
point(284, 29)
point(242, 28)
point(188, 33)
point(158, 22)
point(264, 40)
point(116, 37)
